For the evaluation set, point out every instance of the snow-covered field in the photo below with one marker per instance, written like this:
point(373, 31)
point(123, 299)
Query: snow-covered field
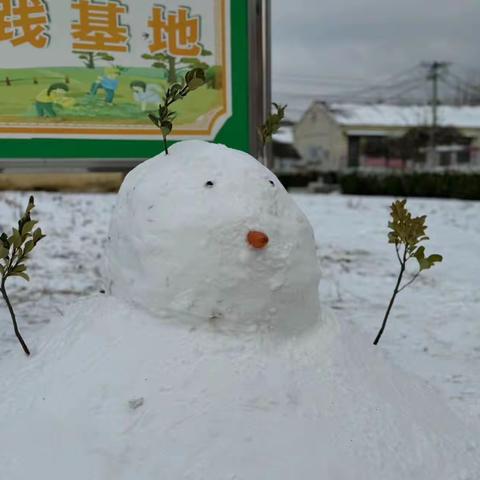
point(434, 329)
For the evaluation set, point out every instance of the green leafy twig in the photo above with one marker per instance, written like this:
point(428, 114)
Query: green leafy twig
point(14, 251)
point(194, 79)
point(406, 232)
point(272, 124)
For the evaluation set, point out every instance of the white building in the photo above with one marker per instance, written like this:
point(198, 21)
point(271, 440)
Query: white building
point(333, 136)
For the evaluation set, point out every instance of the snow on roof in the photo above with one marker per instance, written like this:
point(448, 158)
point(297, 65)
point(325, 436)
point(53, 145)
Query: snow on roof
point(284, 135)
point(404, 116)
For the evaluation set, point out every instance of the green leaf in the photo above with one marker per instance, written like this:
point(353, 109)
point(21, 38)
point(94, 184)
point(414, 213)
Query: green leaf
point(159, 56)
point(31, 204)
point(162, 111)
point(28, 226)
point(20, 274)
point(272, 123)
point(37, 235)
point(19, 268)
point(155, 120)
point(4, 240)
point(166, 127)
point(195, 78)
point(16, 238)
point(174, 89)
point(190, 61)
point(3, 252)
point(106, 57)
point(28, 247)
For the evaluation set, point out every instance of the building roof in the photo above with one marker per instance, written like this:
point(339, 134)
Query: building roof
point(284, 135)
point(283, 143)
point(381, 115)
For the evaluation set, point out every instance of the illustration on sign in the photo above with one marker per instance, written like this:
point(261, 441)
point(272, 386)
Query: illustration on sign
point(96, 68)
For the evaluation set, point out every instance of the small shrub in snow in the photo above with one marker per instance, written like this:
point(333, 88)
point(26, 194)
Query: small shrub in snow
point(272, 124)
point(14, 251)
point(194, 79)
point(406, 233)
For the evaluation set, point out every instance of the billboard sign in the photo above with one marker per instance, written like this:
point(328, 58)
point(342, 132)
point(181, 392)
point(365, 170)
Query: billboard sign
point(79, 77)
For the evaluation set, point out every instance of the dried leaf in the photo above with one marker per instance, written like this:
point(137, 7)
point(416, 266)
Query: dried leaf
point(425, 263)
point(405, 229)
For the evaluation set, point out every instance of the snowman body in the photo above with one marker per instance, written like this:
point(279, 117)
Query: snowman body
point(179, 242)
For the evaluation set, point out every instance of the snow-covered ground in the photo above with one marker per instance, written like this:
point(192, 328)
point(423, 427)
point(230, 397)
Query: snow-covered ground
point(434, 329)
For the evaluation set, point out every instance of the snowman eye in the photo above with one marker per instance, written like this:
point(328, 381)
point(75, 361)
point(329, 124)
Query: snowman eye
point(209, 184)
point(272, 183)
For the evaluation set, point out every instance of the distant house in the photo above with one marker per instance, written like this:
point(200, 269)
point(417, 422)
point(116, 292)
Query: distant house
point(338, 136)
point(285, 155)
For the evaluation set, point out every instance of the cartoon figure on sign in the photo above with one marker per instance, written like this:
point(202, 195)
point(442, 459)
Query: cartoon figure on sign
point(146, 94)
point(53, 95)
point(108, 82)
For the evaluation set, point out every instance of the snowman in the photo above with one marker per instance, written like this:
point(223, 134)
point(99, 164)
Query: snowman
point(209, 358)
point(208, 231)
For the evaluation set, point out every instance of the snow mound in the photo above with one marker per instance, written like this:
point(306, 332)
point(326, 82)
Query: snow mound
point(226, 372)
point(178, 242)
point(113, 398)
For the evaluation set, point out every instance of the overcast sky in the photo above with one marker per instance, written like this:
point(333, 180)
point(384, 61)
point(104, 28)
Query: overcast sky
point(325, 46)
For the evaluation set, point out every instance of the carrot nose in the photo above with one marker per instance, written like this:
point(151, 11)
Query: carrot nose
point(257, 239)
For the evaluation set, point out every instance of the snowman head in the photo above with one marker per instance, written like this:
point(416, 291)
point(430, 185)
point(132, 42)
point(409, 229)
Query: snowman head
point(209, 234)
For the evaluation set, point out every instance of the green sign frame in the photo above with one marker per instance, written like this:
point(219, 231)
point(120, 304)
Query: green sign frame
point(250, 89)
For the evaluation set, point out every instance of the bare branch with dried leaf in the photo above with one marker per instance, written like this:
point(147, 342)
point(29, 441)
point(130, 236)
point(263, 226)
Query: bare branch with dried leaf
point(15, 250)
point(194, 79)
point(406, 233)
point(272, 124)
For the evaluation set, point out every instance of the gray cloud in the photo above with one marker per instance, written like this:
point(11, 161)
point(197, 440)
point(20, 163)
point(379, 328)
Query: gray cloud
point(349, 43)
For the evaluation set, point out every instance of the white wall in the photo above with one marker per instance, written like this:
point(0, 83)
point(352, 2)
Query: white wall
point(320, 141)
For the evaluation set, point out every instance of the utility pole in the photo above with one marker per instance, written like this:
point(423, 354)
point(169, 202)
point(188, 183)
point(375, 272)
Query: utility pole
point(435, 69)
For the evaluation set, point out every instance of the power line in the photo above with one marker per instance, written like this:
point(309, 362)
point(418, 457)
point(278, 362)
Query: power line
point(391, 92)
point(343, 78)
point(387, 91)
point(405, 91)
point(465, 84)
point(395, 88)
point(467, 94)
point(385, 84)
point(469, 69)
